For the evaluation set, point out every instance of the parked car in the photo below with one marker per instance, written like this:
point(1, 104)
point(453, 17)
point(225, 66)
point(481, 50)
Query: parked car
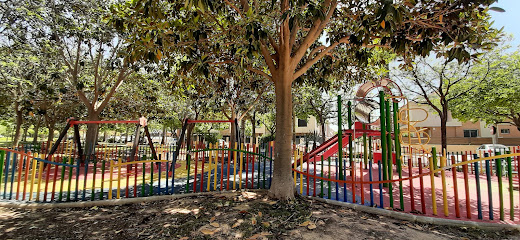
point(491, 149)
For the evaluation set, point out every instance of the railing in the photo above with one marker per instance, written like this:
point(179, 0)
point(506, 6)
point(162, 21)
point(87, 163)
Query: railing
point(460, 186)
point(112, 174)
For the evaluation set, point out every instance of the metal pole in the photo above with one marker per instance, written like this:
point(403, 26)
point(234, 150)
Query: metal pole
point(389, 160)
point(382, 122)
point(340, 138)
point(398, 152)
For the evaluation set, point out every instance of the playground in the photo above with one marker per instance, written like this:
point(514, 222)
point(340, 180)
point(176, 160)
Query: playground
point(379, 160)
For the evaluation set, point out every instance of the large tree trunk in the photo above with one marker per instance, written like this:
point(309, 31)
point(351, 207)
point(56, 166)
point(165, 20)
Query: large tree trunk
point(189, 130)
point(25, 129)
point(126, 134)
point(163, 140)
point(92, 134)
point(232, 134)
point(282, 186)
point(322, 125)
point(444, 139)
point(50, 136)
point(19, 121)
point(36, 130)
point(243, 130)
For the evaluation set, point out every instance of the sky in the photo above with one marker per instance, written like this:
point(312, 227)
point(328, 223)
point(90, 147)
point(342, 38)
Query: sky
point(510, 19)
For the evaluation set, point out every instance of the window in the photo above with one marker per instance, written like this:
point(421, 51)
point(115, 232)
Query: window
point(302, 123)
point(504, 131)
point(470, 133)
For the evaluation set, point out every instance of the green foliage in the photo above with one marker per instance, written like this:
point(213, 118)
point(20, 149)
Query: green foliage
point(212, 137)
point(493, 91)
point(267, 138)
point(206, 32)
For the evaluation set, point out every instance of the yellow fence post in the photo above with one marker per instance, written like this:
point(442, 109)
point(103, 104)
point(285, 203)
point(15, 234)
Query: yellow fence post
point(216, 166)
point(110, 179)
point(444, 192)
point(295, 162)
point(241, 167)
point(301, 169)
point(40, 172)
point(33, 174)
point(119, 178)
point(234, 167)
point(432, 180)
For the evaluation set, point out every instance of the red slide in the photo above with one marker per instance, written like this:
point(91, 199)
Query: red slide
point(330, 147)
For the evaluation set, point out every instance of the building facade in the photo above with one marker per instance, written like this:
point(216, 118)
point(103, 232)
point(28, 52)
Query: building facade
point(303, 129)
point(462, 133)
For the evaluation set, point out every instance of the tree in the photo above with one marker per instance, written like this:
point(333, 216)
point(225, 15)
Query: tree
point(240, 96)
point(17, 75)
point(279, 40)
point(75, 34)
point(435, 85)
point(312, 101)
point(494, 100)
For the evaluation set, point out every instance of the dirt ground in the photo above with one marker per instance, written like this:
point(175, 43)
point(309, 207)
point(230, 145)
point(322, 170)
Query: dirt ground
point(240, 215)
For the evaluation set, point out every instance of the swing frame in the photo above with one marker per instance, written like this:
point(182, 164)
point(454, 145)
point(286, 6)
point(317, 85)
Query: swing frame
point(73, 122)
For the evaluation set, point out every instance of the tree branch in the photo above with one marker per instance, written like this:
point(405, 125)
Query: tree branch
point(267, 57)
point(320, 55)
point(121, 77)
point(315, 30)
point(255, 101)
point(273, 44)
point(234, 7)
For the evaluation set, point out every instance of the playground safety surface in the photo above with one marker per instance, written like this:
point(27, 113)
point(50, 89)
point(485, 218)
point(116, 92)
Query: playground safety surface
point(232, 215)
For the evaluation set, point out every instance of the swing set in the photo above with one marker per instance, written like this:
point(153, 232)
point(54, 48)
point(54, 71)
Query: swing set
point(72, 122)
point(188, 138)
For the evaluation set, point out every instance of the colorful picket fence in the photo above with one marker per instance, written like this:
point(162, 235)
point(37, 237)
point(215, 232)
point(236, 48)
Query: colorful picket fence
point(477, 187)
point(112, 174)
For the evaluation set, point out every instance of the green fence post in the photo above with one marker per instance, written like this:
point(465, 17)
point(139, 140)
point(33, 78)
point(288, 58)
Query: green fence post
point(389, 160)
point(340, 138)
point(398, 152)
point(510, 178)
point(500, 188)
point(382, 122)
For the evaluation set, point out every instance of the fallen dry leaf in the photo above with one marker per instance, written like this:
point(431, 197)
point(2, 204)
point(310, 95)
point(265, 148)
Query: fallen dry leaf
point(266, 224)
point(215, 224)
point(249, 195)
point(212, 219)
point(242, 207)
point(305, 224)
point(208, 232)
point(311, 226)
point(259, 236)
point(240, 221)
point(253, 221)
point(260, 214)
